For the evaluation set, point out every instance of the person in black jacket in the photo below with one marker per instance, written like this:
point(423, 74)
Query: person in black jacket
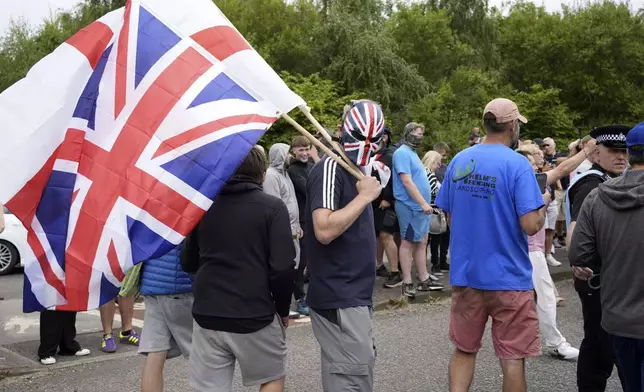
point(385, 220)
point(243, 255)
point(298, 170)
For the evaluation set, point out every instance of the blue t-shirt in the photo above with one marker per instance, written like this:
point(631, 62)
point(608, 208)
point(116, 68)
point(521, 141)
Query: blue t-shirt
point(406, 161)
point(342, 273)
point(487, 188)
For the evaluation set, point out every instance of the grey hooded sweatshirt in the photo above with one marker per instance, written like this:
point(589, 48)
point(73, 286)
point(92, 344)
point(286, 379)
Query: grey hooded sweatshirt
point(279, 184)
point(610, 232)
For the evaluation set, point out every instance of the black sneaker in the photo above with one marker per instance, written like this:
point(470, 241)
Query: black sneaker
point(409, 290)
point(436, 270)
point(394, 280)
point(382, 272)
point(430, 285)
point(444, 267)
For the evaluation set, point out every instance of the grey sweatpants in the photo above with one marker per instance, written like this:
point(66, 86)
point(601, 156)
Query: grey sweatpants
point(348, 349)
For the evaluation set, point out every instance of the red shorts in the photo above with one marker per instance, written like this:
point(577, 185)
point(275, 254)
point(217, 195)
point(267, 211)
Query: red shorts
point(515, 326)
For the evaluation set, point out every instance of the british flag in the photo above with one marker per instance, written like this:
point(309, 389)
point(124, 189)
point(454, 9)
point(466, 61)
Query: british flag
point(362, 129)
point(143, 116)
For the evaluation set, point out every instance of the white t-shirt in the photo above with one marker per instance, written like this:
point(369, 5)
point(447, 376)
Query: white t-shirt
point(584, 167)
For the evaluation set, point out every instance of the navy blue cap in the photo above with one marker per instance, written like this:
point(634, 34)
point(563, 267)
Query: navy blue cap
point(611, 136)
point(635, 138)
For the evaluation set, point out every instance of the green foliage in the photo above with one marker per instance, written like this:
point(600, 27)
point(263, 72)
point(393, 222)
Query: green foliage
point(433, 61)
point(559, 121)
point(323, 98)
point(360, 54)
point(450, 113)
point(21, 48)
point(425, 38)
point(281, 32)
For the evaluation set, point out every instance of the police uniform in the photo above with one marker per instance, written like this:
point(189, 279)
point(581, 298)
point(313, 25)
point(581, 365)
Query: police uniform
point(596, 360)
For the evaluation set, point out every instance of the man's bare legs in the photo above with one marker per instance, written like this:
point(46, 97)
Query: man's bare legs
point(152, 377)
point(273, 386)
point(420, 258)
point(513, 375)
point(417, 250)
point(380, 252)
point(461, 371)
point(107, 316)
point(406, 250)
point(126, 309)
point(389, 247)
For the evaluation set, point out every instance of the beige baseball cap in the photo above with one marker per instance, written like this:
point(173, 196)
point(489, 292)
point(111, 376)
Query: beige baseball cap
point(504, 110)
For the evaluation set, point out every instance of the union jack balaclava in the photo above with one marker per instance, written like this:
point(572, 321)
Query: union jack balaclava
point(362, 129)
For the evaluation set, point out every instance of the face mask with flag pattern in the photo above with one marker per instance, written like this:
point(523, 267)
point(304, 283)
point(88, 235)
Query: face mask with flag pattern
point(362, 130)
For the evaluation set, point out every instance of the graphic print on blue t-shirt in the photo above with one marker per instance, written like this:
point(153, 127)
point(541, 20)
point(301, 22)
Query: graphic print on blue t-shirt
point(487, 189)
point(406, 161)
point(342, 273)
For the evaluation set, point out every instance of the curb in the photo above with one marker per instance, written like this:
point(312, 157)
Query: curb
point(7, 374)
point(432, 296)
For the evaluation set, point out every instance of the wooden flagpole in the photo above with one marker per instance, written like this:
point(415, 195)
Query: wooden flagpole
point(326, 135)
point(354, 171)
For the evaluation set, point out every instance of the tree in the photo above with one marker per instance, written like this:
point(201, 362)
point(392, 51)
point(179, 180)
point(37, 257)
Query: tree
point(425, 38)
point(281, 32)
point(362, 56)
point(21, 48)
point(593, 55)
point(434, 61)
point(559, 123)
point(451, 111)
point(323, 98)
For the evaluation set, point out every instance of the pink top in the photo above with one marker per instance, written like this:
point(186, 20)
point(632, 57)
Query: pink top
point(537, 242)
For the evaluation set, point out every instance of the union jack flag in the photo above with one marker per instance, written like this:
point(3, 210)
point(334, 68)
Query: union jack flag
point(143, 116)
point(362, 130)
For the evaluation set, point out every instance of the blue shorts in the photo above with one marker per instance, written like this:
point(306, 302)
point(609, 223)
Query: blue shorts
point(414, 225)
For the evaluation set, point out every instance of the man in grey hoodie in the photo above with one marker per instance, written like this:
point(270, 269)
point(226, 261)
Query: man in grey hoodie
point(278, 183)
point(610, 232)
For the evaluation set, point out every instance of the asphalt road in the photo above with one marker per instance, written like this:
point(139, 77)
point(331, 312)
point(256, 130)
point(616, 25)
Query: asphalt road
point(413, 352)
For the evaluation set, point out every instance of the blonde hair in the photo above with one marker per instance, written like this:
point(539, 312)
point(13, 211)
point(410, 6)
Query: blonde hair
point(531, 149)
point(572, 146)
point(430, 159)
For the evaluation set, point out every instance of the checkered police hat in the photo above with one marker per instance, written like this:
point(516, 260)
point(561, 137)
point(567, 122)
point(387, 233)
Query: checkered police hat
point(612, 136)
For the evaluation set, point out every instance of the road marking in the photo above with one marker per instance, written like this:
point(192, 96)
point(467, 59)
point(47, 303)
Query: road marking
point(21, 323)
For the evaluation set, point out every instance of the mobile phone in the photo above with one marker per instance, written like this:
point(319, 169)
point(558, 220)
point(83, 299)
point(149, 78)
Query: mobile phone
point(542, 180)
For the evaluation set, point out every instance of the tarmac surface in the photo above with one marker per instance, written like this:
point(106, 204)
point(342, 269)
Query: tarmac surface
point(413, 351)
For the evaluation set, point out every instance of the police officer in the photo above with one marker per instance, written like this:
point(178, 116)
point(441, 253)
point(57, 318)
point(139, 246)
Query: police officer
point(595, 363)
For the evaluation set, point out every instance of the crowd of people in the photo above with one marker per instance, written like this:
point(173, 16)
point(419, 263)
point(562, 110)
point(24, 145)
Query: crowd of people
point(499, 209)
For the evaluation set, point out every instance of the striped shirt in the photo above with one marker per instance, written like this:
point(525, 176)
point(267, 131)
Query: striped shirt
point(434, 185)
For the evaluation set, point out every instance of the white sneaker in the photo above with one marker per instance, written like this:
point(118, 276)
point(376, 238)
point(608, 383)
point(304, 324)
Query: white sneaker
point(293, 315)
point(82, 352)
point(552, 261)
point(48, 361)
point(434, 278)
point(565, 351)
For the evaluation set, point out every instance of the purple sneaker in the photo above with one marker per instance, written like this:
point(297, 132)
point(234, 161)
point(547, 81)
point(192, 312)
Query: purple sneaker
point(131, 338)
point(108, 344)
